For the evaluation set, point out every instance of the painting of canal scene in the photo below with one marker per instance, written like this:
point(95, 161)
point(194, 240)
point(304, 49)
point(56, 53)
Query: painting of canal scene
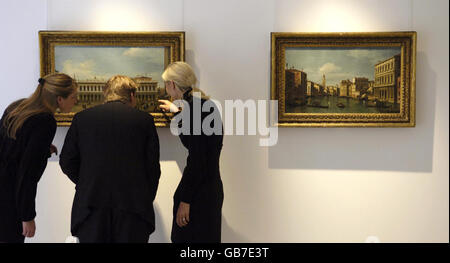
point(344, 79)
point(91, 58)
point(91, 67)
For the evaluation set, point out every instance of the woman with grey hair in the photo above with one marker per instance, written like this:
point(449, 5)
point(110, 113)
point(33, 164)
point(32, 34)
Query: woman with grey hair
point(197, 211)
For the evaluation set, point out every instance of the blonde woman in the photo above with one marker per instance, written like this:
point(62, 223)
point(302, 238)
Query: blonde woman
point(27, 129)
point(111, 153)
point(197, 211)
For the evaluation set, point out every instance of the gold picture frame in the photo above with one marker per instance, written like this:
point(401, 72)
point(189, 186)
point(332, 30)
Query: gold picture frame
point(356, 97)
point(78, 50)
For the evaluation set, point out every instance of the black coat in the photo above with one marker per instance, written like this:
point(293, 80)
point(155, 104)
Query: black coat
point(22, 163)
point(111, 153)
point(200, 185)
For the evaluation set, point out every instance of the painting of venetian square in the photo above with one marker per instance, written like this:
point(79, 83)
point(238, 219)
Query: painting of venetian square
point(342, 80)
point(92, 66)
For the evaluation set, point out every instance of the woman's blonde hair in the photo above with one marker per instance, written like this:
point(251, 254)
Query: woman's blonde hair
point(44, 99)
point(183, 76)
point(119, 88)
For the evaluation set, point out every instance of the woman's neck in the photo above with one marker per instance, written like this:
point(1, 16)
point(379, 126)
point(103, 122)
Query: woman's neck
point(187, 93)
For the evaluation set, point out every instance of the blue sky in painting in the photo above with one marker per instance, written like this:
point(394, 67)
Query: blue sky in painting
point(87, 63)
point(338, 63)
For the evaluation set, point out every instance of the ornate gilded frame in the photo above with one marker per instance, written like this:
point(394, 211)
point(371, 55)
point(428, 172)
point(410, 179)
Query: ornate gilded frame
point(405, 40)
point(48, 40)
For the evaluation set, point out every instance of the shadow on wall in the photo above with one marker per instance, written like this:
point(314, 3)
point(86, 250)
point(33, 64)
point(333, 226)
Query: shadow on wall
point(378, 149)
point(231, 236)
point(159, 236)
point(171, 148)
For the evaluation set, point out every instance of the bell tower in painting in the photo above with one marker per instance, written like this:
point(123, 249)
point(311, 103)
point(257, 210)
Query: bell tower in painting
point(324, 82)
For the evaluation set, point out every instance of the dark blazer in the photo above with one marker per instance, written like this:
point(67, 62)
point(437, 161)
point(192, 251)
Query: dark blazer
point(200, 185)
point(111, 153)
point(22, 163)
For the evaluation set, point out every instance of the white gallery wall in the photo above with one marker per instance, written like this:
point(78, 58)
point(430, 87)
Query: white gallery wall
point(316, 184)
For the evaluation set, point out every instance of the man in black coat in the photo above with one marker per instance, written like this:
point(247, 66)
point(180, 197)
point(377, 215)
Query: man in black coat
point(111, 153)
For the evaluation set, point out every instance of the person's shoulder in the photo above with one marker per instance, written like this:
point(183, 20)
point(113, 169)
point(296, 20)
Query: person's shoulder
point(45, 117)
point(144, 115)
point(42, 120)
point(95, 108)
point(208, 106)
point(194, 99)
point(209, 101)
point(89, 111)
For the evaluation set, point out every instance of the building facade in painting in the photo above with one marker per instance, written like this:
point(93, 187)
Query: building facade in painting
point(359, 86)
point(90, 93)
point(309, 88)
point(333, 90)
point(387, 73)
point(147, 93)
point(296, 86)
point(345, 88)
point(314, 89)
point(318, 89)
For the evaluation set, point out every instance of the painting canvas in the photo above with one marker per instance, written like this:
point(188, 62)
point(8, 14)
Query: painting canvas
point(91, 58)
point(351, 79)
point(91, 67)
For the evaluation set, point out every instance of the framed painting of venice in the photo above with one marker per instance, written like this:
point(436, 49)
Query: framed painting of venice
point(344, 79)
point(91, 58)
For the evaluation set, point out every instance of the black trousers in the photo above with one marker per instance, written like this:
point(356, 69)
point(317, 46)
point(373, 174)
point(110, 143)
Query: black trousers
point(106, 225)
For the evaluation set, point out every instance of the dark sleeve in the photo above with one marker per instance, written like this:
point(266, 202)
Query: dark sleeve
point(32, 165)
point(69, 159)
point(154, 169)
point(197, 164)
